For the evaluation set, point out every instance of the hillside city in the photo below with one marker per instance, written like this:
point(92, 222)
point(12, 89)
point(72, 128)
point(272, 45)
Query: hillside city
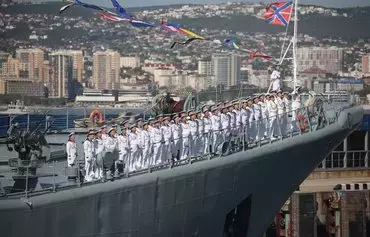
point(83, 58)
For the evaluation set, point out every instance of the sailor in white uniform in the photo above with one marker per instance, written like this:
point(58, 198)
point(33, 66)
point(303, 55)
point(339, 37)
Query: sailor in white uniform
point(150, 124)
point(145, 143)
point(99, 155)
point(288, 109)
point(71, 149)
point(186, 136)
point(124, 148)
point(225, 124)
point(296, 105)
point(232, 116)
point(275, 80)
point(244, 121)
point(139, 129)
point(281, 113)
point(166, 140)
point(238, 117)
point(176, 135)
point(115, 127)
point(156, 141)
point(263, 123)
point(134, 148)
point(200, 140)
point(251, 121)
point(89, 157)
point(193, 124)
point(265, 114)
point(111, 141)
point(104, 131)
point(160, 119)
point(216, 128)
point(273, 111)
point(257, 118)
point(207, 132)
point(126, 126)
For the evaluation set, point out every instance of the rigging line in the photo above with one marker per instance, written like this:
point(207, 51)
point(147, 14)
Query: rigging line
point(283, 46)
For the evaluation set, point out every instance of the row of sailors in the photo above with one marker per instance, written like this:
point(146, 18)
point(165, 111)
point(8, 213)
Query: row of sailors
point(191, 134)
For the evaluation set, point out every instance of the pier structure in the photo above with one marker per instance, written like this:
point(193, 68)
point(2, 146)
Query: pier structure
point(334, 200)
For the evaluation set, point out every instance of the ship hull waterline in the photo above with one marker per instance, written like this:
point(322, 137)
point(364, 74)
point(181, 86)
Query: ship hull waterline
point(192, 200)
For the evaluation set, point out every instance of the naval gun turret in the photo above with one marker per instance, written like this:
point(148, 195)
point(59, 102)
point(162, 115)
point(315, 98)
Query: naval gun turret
point(29, 147)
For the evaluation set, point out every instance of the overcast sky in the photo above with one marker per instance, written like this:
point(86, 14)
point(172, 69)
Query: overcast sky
point(134, 3)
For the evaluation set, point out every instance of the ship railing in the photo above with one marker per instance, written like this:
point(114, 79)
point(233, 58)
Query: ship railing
point(345, 160)
point(58, 119)
point(300, 121)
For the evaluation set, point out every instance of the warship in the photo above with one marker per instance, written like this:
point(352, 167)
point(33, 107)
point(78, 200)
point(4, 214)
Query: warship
point(235, 192)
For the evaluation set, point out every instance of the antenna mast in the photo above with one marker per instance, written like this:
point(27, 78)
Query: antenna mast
point(295, 36)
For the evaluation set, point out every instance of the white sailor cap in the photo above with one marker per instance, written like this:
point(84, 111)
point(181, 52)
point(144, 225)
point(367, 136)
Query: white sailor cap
point(71, 134)
point(133, 126)
point(110, 130)
point(104, 126)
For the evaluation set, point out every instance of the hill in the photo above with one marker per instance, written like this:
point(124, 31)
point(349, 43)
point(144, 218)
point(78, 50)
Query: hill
point(319, 26)
point(353, 26)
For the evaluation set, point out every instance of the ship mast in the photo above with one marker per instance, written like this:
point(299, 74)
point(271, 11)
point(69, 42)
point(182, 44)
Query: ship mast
point(295, 36)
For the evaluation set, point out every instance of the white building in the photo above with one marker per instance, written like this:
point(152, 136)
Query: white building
point(106, 69)
point(163, 77)
point(62, 74)
point(204, 67)
point(129, 61)
point(328, 59)
point(226, 69)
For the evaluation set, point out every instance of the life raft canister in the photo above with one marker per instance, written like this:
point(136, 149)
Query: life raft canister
point(302, 122)
point(96, 113)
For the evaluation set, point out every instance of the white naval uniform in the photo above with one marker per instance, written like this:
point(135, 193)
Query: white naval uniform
point(296, 105)
point(166, 146)
point(264, 121)
point(110, 144)
point(238, 121)
point(135, 151)
point(200, 140)
point(104, 136)
point(193, 124)
point(272, 110)
point(156, 141)
point(232, 118)
point(216, 131)
point(275, 80)
point(71, 153)
point(257, 120)
point(206, 135)
point(176, 144)
point(124, 149)
point(145, 143)
point(225, 126)
point(99, 155)
point(281, 114)
point(89, 159)
point(140, 151)
point(251, 124)
point(186, 136)
point(288, 109)
point(244, 121)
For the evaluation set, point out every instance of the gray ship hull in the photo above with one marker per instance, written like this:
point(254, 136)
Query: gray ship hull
point(193, 200)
